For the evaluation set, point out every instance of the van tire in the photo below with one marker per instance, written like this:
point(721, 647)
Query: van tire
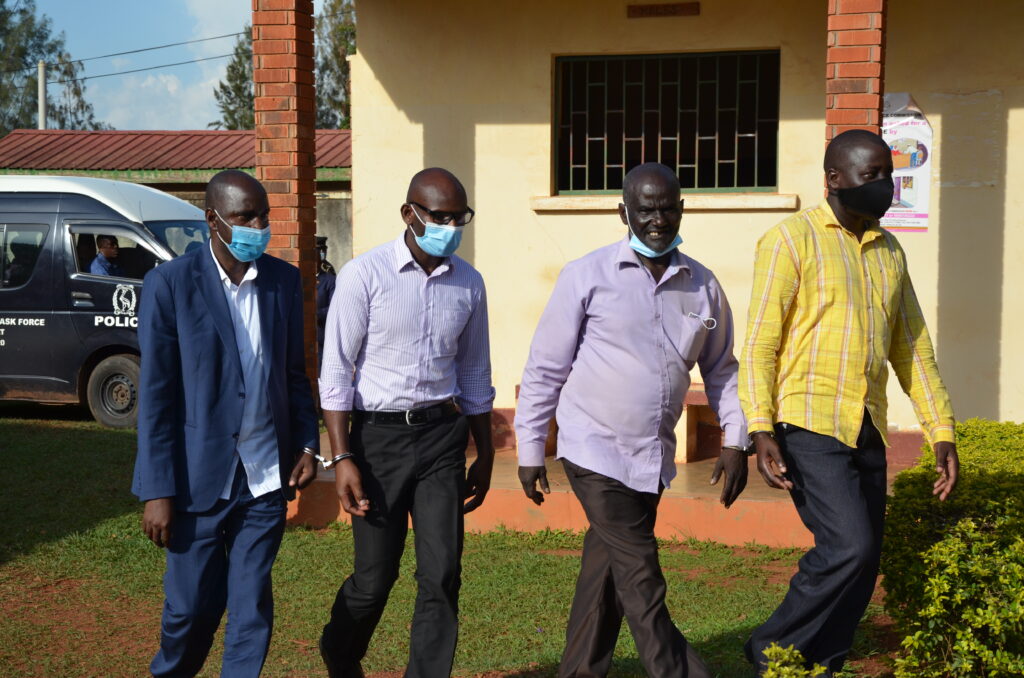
point(113, 391)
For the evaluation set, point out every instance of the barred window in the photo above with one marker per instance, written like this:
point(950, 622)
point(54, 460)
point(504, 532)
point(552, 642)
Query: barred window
point(712, 117)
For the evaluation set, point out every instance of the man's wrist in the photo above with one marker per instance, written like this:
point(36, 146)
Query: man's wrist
point(746, 451)
point(328, 463)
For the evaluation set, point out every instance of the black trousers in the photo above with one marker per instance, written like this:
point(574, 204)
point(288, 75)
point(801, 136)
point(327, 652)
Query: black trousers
point(839, 492)
point(620, 575)
point(406, 470)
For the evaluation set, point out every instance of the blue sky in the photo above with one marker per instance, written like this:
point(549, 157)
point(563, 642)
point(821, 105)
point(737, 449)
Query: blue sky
point(169, 98)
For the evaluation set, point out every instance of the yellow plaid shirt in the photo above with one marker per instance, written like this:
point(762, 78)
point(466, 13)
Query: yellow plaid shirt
point(826, 312)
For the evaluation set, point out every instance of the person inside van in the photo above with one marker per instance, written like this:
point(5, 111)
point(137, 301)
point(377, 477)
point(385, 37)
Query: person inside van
point(106, 255)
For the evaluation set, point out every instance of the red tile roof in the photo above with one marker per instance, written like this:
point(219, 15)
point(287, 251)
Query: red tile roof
point(54, 149)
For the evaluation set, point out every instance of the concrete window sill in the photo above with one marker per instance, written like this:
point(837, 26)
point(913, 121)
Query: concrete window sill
point(710, 202)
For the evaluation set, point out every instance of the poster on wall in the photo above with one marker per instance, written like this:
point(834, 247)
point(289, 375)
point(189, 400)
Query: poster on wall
point(909, 135)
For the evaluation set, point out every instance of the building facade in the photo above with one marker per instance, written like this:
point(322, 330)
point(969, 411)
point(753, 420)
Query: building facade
point(540, 106)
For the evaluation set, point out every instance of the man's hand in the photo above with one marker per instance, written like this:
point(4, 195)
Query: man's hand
point(947, 465)
point(734, 464)
point(157, 517)
point(478, 481)
point(304, 471)
point(770, 462)
point(529, 476)
point(349, 484)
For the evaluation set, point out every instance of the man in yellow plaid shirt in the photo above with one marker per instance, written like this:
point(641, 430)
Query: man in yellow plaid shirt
point(832, 302)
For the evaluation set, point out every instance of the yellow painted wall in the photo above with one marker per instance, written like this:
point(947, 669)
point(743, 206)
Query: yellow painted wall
point(962, 63)
point(467, 85)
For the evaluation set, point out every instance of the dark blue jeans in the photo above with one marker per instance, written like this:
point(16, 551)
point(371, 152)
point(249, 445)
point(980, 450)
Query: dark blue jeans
point(839, 492)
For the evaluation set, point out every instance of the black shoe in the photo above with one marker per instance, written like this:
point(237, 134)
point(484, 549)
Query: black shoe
point(335, 668)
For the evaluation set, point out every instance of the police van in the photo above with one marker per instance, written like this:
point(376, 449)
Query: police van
point(73, 252)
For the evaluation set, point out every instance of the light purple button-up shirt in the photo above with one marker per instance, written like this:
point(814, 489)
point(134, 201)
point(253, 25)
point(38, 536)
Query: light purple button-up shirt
point(611, 361)
point(398, 339)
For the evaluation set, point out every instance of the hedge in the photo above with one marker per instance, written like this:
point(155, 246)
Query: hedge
point(954, 570)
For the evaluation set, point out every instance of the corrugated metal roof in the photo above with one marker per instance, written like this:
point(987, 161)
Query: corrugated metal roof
point(53, 149)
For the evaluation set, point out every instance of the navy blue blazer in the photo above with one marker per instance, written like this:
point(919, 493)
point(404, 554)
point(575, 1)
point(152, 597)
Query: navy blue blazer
point(191, 390)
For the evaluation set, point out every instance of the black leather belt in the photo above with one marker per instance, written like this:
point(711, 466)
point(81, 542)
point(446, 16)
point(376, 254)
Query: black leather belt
point(423, 415)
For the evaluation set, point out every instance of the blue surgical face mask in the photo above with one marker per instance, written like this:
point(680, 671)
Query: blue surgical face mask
point(247, 243)
point(640, 248)
point(438, 240)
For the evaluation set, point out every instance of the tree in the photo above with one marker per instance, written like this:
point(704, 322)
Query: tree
point(335, 42)
point(26, 39)
point(235, 94)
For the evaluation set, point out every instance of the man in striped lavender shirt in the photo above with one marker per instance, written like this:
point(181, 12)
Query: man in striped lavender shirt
point(406, 377)
point(832, 302)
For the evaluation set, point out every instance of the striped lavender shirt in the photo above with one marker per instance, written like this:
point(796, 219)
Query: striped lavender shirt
point(398, 339)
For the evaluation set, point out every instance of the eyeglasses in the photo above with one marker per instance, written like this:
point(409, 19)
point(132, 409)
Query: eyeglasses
point(445, 218)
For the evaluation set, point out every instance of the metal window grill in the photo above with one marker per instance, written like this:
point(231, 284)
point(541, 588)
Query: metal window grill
point(713, 117)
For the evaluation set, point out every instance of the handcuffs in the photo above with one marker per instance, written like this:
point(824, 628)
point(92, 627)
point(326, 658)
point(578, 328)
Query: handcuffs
point(327, 463)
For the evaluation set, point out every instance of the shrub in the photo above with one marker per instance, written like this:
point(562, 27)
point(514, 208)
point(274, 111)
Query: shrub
point(951, 567)
point(788, 662)
point(971, 618)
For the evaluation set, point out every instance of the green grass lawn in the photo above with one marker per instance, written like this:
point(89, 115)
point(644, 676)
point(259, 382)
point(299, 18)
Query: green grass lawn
point(80, 586)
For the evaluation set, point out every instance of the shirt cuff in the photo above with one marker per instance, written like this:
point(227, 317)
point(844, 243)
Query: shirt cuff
point(756, 424)
point(336, 398)
point(943, 433)
point(531, 453)
point(735, 436)
point(470, 406)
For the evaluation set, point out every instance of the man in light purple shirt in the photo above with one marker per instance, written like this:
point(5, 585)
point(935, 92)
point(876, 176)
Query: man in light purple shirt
point(406, 376)
point(610, 361)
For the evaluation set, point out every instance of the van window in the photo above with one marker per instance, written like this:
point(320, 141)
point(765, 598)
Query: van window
point(110, 253)
point(180, 236)
point(20, 247)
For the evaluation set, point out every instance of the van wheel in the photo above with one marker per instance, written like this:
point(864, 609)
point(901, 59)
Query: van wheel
point(113, 391)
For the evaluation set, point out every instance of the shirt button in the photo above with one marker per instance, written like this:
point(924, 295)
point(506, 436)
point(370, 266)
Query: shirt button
point(241, 395)
point(235, 436)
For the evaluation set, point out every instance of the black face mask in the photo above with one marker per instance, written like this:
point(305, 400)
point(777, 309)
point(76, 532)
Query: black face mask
point(872, 199)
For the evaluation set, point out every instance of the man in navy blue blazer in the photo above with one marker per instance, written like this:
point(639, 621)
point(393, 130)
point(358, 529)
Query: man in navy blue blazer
point(227, 429)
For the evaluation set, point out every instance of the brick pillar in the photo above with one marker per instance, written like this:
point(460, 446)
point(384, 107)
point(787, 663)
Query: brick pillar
point(282, 53)
point(855, 68)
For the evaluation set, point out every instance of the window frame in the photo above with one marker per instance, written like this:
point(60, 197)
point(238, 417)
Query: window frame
point(5, 228)
point(557, 124)
point(104, 227)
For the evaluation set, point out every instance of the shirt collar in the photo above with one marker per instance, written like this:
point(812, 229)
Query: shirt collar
point(624, 254)
point(404, 258)
point(829, 219)
point(250, 273)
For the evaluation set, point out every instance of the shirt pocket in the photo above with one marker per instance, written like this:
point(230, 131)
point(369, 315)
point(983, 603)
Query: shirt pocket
point(450, 323)
point(692, 338)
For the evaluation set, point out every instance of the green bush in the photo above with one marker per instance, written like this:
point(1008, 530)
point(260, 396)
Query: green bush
point(788, 662)
point(952, 568)
point(971, 621)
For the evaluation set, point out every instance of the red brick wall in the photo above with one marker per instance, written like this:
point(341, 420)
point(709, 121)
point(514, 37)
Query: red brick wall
point(282, 53)
point(855, 68)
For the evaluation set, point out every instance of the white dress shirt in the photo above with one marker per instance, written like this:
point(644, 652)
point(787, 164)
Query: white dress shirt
point(257, 441)
point(399, 339)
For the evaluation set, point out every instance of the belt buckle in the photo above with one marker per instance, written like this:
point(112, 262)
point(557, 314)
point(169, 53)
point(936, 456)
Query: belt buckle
point(407, 421)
